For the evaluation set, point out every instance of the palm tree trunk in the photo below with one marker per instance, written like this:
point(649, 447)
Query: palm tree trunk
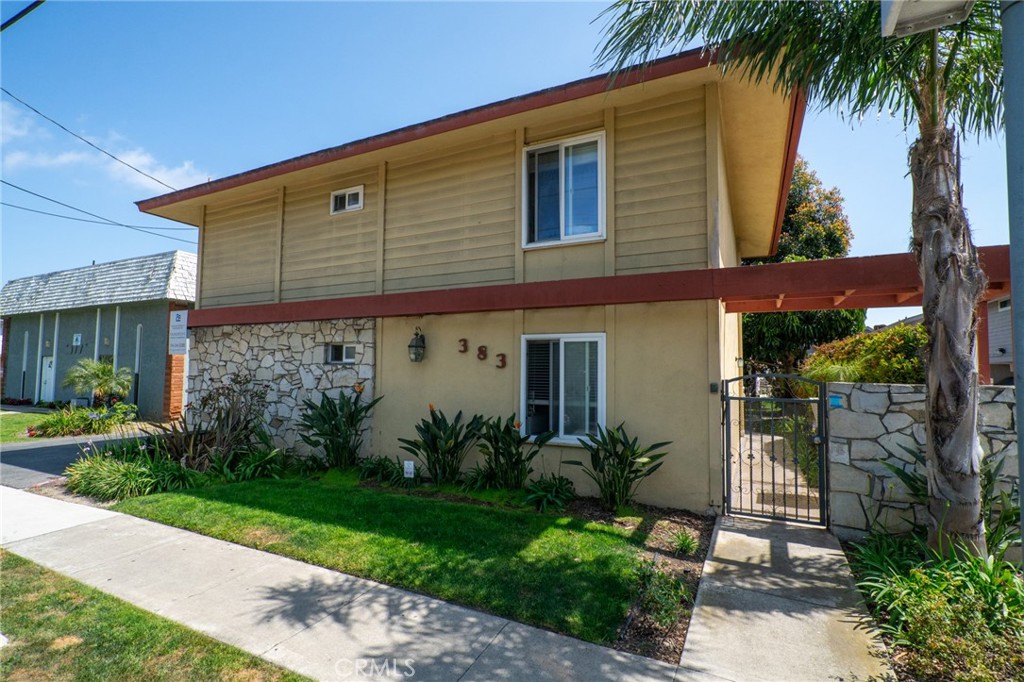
point(953, 285)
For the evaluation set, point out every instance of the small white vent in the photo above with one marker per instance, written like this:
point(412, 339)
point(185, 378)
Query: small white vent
point(345, 200)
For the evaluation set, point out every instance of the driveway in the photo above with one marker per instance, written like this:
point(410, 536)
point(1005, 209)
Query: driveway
point(23, 465)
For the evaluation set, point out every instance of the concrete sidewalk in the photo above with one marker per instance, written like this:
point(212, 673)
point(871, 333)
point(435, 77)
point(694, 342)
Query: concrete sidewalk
point(317, 622)
point(777, 603)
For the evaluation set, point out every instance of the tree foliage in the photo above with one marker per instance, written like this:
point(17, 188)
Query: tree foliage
point(814, 227)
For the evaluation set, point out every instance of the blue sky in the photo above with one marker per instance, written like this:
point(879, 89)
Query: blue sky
point(193, 90)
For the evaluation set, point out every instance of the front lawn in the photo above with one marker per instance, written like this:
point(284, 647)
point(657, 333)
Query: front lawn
point(13, 425)
point(559, 572)
point(60, 629)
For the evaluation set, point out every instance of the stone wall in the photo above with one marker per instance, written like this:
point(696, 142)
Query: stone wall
point(874, 423)
point(290, 359)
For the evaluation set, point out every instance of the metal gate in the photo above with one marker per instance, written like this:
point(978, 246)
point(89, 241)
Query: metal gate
point(775, 432)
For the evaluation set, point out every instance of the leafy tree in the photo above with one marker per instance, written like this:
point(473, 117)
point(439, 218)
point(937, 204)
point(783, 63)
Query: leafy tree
point(814, 227)
point(887, 356)
point(833, 52)
point(99, 379)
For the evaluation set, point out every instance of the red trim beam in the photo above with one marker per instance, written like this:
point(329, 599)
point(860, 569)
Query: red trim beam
point(868, 282)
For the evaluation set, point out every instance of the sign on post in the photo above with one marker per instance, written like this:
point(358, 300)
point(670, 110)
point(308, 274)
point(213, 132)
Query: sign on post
point(177, 336)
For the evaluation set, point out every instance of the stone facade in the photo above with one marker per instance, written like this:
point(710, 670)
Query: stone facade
point(290, 359)
point(874, 423)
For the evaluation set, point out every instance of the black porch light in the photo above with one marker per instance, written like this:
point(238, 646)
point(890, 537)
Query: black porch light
point(418, 346)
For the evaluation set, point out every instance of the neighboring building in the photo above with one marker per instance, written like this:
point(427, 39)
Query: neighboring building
point(1000, 341)
point(115, 311)
point(554, 249)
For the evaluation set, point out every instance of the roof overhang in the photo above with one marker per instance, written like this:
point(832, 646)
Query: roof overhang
point(761, 127)
point(906, 17)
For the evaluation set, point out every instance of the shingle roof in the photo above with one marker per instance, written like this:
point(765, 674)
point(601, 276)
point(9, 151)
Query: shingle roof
point(162, 276)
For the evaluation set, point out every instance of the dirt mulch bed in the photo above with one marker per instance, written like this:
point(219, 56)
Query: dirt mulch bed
point(58, 490)
point(658, 528)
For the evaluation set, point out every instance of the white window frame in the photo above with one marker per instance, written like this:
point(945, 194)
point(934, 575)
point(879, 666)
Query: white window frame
point(563, 240)
point(1003, 305)
point(602, 379)
point(345, 192)
point(344, 348)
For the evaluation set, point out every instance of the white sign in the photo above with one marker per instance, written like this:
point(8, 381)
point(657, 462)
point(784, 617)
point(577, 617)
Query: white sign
point(410, 468)
point(177, 336)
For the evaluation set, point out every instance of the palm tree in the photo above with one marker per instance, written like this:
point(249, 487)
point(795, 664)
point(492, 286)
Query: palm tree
point(948, 81)
point(99, 379)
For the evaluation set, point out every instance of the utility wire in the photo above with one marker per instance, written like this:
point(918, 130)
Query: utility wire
point(74, 134)
point(13, 20)
point(107, 220)
point(86, 220)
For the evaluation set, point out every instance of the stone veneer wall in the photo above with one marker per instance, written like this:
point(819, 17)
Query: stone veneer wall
point(290, 358)
point(872, 424)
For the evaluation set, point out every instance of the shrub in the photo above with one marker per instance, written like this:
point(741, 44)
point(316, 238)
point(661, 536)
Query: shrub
point(508, 453)
point(887, 356)
point(1000, 500)
point(229, 418)
point(959, 618)
point(337, 426)
point(79, 421)
point(550, 490)
point(684, 542)
point(442, 444)
point(108, 478)
point(386, 471)
point(618, 464)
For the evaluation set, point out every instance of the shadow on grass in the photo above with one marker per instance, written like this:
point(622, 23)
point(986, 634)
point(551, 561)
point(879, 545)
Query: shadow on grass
point(561, 573)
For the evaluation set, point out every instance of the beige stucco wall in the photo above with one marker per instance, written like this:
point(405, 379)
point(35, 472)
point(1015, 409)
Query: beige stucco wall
point(657, 382)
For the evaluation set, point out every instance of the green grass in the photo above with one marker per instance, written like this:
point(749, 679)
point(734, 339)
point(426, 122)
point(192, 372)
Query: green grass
point(60, 629)
point(13, 425)
point(561, 573)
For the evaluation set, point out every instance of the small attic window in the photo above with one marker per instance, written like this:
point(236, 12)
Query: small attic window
point(344, 200)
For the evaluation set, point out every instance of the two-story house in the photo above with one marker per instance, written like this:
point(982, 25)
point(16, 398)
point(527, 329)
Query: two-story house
point(551, 253)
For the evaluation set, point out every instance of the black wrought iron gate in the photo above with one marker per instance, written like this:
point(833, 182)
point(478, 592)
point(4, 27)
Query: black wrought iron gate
point(775, 432)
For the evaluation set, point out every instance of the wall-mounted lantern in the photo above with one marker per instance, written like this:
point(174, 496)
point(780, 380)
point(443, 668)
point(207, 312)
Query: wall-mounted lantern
point(418, 346)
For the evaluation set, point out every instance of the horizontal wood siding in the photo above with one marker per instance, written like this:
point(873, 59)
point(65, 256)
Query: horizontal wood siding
point(324, 255)
point(239, 253)
point(1000, 334)
point(450, 217)
point(565, 127)
point(661, 185)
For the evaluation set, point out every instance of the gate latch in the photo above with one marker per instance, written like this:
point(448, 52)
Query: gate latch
point(816, 439)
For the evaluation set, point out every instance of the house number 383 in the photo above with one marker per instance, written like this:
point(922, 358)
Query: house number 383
point(481, 353)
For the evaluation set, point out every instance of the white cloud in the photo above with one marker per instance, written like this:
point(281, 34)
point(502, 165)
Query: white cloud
point(183, 175)
point(17, 124)
point(19, 159)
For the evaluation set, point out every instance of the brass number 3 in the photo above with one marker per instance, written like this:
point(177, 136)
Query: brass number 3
point(463, 346)
point(502, 361)
point(481, 353)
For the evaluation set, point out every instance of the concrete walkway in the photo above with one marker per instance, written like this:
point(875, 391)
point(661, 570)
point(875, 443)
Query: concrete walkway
point(777, 603)
point(320, 623)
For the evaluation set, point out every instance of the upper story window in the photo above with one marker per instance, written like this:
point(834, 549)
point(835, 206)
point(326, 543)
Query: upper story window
point(564, 193)
point(563, 384)
point(350, 199)
point(1004, 304)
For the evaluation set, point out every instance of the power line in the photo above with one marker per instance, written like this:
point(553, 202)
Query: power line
point(86, 220)
point(74, 134)
point(13, 20)
point(107, 220)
